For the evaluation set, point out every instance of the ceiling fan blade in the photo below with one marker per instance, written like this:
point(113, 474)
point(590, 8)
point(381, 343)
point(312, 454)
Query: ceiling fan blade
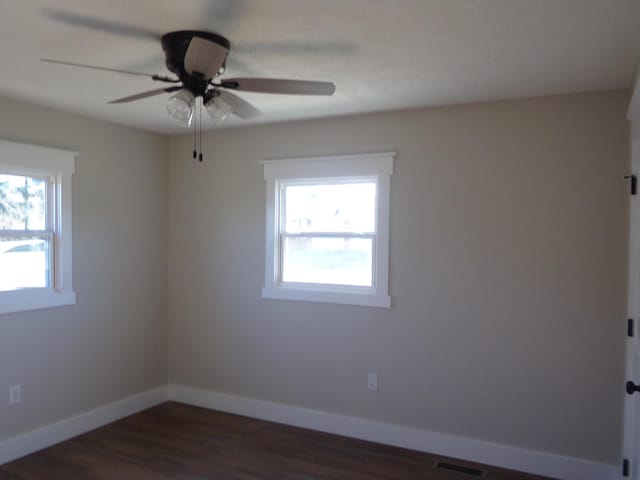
point(241, 108)
point(280, 85)
point(93, 67)
point(94, 23)
point(205, 57)
point(148, 93)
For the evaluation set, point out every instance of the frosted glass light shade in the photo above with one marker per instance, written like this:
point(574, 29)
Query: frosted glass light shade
point(218, 110)
point(180, 106)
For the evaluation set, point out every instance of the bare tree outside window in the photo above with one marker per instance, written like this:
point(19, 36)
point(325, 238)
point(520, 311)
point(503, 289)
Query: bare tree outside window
point(25, 242)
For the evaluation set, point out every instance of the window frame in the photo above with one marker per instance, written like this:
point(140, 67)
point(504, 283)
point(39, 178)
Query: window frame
point(376, 167)
point(58, 166)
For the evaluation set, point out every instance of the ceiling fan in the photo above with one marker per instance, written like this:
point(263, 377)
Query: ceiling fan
point(198, 60)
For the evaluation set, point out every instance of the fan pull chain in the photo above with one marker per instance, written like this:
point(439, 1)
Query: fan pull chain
point(197, 130)
point(194, 139)
point(200, 131)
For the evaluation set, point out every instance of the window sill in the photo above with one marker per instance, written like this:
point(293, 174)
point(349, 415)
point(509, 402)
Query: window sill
point(34, 299)
point(343, 298)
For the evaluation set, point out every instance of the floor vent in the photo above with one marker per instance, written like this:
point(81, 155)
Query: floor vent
point(452, 467)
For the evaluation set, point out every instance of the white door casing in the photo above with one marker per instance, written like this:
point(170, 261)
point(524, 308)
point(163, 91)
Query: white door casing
point(631, 445)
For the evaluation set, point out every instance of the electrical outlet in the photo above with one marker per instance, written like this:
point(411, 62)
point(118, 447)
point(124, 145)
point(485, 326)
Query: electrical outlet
point(15, 394)
point(372, 382)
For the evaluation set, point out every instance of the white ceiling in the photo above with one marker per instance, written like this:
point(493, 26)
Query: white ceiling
point(381, 54)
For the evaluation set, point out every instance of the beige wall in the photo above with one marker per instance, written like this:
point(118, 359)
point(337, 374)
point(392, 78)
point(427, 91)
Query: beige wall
point(508, 258)
point(508, 268)
point(113, 343)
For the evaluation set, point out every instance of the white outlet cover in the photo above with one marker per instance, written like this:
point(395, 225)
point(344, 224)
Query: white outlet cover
point(372, 382)
point(15, 394)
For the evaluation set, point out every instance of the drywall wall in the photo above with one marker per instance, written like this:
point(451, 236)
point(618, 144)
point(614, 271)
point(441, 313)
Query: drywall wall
point(113, 342)
point(507, 274)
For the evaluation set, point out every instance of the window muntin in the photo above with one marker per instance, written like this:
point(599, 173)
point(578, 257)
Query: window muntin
point(325, 243)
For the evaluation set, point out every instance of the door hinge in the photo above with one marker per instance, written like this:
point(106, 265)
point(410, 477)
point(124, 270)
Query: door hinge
point(625, 467)
point(633, 183)
point(630, 327)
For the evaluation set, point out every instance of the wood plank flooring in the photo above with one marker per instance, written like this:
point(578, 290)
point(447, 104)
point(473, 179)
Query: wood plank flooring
point(180, 442)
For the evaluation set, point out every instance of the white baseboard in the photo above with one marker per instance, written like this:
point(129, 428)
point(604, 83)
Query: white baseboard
point(521, 459)
point(29, 442)
point(524, 460)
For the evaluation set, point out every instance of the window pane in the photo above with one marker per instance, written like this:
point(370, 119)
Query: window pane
point(339, 207)
point(332, 261)
point(22, 203)
point(24, 263)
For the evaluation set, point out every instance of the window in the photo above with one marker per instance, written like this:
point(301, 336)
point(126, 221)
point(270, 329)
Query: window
point(35, 227)
point(327, 235)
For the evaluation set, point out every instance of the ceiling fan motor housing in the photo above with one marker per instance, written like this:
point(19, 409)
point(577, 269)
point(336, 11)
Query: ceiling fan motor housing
point(175, 45)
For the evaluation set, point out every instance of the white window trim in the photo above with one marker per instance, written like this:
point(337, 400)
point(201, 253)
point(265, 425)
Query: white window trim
point(377, 165)
point(21, 159)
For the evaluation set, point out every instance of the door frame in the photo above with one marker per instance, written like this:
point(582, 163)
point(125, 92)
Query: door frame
point(631, 439)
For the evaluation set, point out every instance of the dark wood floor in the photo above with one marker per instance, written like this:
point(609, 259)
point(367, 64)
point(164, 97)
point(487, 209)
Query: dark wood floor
point(180, 442)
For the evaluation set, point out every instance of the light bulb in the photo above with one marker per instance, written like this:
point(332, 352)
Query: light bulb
point(180, 106)
point(218, 109)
